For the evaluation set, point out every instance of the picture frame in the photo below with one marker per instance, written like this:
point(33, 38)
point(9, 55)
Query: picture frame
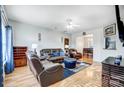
point(39, 37)
point(110, 43)
point(110, 30)
point(66, 42)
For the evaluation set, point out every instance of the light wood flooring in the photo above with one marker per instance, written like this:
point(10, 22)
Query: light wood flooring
point(87, 60)
point(88, 77)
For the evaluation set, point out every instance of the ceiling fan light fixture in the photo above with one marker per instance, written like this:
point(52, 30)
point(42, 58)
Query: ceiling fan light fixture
point(70, 23)
point(69, 26)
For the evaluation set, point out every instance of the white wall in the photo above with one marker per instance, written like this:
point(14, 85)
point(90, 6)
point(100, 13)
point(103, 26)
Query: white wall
point(98, 41)
point(25, 35)
point(82, 42)
point(79, 44)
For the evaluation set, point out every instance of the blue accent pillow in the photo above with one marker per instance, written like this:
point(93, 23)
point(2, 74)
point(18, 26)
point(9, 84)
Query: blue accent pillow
point(55, 54)
point(62, 53)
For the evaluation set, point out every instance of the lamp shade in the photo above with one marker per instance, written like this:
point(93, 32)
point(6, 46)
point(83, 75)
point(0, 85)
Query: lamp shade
point(66, 46)
point(34, 46)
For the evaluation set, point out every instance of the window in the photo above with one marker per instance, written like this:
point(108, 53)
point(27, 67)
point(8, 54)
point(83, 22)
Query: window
point(4, 43)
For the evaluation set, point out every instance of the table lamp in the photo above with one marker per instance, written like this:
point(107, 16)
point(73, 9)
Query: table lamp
point(34, 47)
point(66, 46)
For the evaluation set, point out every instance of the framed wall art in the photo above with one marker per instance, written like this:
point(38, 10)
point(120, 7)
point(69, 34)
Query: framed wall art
point(110, 43)
point(39, 36)
point(110, 30)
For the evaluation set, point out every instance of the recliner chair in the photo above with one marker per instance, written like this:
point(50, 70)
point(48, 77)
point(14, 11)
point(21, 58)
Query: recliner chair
point(74, 54)
point(46, 72)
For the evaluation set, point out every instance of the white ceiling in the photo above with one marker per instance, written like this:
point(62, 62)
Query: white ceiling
point(54, 16)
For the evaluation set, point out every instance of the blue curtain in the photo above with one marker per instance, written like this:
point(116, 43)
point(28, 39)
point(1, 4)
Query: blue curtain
point(1, 60)
point(9, 67)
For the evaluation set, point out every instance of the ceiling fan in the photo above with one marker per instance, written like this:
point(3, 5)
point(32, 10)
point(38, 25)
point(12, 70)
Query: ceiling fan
point(70, 24)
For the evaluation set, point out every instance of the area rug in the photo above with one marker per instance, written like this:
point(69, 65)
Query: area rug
point(79, 66)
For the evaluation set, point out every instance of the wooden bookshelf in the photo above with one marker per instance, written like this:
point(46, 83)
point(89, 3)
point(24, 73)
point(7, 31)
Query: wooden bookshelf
point(20, 56)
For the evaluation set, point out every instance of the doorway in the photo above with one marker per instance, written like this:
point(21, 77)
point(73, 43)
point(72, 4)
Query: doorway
point(88, 48)
point(84, 45)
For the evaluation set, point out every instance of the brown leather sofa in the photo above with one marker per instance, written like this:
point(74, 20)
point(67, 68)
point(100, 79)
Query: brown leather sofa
point(46, 72)
point(74, 54)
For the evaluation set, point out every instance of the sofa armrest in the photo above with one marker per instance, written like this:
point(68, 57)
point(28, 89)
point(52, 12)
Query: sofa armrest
point(51, 75)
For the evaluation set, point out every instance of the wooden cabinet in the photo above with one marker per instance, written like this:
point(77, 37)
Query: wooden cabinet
point(20, 56)
point(105, 75)
point(88, 53)
point(112, 74)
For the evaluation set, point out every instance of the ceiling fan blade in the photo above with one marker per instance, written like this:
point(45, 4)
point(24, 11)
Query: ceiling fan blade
point(76, 25)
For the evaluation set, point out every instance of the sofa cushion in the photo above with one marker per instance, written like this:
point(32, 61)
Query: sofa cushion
point(54, 54)
point(62, 53)
point(49, 64)
point(37, 66)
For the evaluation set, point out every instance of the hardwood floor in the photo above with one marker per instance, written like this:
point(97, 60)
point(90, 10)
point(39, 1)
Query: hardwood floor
point(88, 77)
point(87, 60)
point(21, 77)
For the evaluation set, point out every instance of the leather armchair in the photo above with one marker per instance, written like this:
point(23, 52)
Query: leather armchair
point(74, 54)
